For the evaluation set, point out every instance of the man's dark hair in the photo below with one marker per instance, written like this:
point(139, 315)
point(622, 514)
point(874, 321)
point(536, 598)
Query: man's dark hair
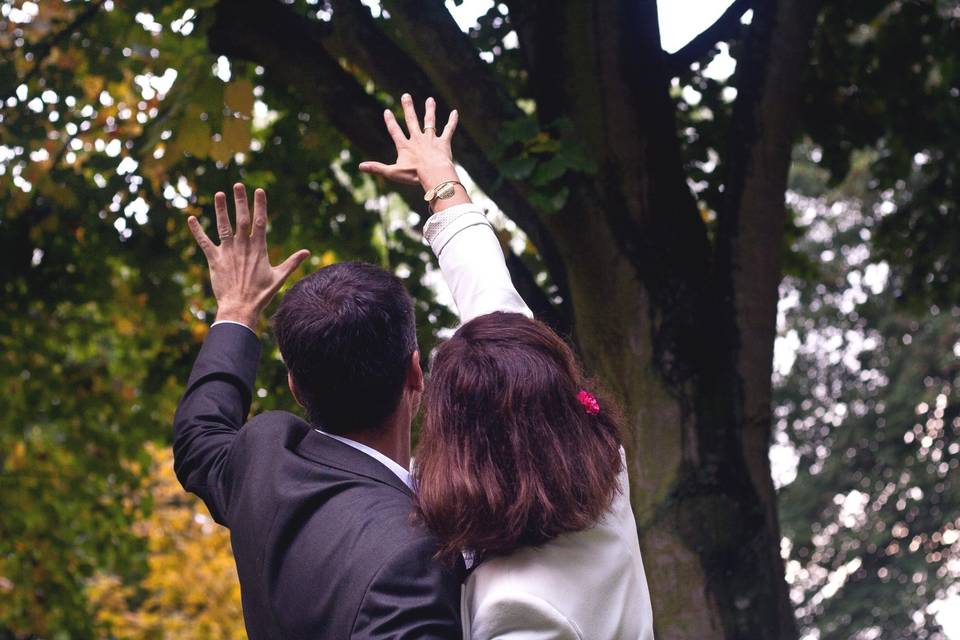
point(346, 333)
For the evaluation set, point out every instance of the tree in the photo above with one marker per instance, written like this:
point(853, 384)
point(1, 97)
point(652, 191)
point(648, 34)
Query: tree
point(654, 223)
point(594, 174)
point(870, 406)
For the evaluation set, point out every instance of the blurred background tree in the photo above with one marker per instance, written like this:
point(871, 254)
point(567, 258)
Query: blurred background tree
point(867, 424)
point(190, 589)
point(642, 206)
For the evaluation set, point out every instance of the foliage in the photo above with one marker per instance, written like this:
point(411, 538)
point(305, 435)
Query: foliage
point(870, 408)
point(190, 589)
point(104, 298)
point(886, 75)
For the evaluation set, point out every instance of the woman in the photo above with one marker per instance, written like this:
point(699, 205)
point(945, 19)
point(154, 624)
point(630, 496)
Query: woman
point(520, 465)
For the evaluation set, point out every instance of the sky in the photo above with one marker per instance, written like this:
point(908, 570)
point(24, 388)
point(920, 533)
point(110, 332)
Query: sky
point(680, 20)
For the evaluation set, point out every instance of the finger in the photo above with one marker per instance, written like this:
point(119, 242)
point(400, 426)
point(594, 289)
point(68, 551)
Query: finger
point(224, 230)
point(393, 128)
point(242, 211)
point(259, 214)
point(376, 168)
point(410, 114)
point(451, 125)
point(430, 116)
point(206, 245)
point(288, 266)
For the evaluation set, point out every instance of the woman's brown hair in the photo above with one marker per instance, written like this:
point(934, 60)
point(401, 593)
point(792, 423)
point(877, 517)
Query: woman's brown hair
point(509, 456)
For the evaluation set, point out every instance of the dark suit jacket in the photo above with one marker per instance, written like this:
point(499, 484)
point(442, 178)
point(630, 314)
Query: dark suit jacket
point(321, 532)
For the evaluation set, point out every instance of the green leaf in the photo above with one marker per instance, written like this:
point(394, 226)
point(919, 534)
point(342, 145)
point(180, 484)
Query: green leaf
point(518, 168)
point(519, 130)
point(548, 171)
point(550, 201)
point(575, 157)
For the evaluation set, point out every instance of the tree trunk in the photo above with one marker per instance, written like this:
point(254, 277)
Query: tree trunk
point(678, 327)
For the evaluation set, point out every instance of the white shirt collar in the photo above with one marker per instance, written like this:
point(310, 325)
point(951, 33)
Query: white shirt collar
point(399, 471)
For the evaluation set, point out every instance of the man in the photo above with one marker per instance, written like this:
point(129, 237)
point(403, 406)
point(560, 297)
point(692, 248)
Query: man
point(319, 513)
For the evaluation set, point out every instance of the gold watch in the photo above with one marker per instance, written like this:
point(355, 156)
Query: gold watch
point(443, 191)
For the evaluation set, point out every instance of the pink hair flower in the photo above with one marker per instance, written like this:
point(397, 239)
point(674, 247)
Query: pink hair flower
point(589, 402)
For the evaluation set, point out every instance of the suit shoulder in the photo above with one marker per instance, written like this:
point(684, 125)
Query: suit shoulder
point(275, 425)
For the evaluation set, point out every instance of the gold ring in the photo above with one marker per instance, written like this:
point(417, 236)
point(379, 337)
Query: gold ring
point(430, 127)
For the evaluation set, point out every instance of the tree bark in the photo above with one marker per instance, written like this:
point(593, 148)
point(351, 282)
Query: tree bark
point(678, 327)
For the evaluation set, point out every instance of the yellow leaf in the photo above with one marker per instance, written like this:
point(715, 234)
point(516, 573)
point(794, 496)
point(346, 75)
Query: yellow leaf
point(220, 151)
point(124, 325)
point(199, 331)
point(92, 85)
point(327, 258)
point(236, 135)
point(17, 458)
point(194, 137)
point(238, 96)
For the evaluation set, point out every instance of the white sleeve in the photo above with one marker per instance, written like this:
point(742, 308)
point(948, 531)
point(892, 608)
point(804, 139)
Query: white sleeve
point(233, 322)
point(472, 262)
point(521, 616)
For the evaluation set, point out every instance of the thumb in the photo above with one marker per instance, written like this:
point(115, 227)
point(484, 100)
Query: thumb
point(290, 265)
point(376, 168)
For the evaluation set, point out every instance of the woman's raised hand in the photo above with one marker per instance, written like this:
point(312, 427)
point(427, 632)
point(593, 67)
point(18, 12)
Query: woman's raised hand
point(424, 157)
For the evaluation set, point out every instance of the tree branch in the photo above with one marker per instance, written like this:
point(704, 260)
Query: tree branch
point(42, 51)
point(360, 39)
point(452, 70)
point(751, 218)
point(559, 318)
point(727, 26)
point(432, 38)
point(282, 41)
point(357, 37)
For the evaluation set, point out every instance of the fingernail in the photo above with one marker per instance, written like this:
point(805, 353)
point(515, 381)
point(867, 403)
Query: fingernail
point(405, 96)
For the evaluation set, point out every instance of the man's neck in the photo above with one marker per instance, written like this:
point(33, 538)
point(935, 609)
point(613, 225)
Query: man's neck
point(392, 440)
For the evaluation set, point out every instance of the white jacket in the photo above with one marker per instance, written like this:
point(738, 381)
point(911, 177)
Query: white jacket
point(586, 585)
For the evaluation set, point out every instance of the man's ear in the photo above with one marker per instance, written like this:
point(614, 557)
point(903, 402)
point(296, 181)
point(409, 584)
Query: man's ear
point(415, 373)
point(293, 389)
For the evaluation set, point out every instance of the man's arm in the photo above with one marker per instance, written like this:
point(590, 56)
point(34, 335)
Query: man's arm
point(466, 246)
point(212, 410)
point(219, 391)
point(412, 597)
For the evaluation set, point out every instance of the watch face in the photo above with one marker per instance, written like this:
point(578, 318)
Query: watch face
point(446, 191)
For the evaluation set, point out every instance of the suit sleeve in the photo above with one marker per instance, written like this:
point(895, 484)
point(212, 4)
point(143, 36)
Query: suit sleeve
point(412, 597)
point(472, 263)
point(521, 616)
point(211, 412)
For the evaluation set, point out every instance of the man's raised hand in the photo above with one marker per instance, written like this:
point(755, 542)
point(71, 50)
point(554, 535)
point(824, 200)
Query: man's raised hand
point(240, 273)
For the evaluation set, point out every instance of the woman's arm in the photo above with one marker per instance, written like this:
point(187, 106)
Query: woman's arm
point(466, 246)
point(521, 616)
